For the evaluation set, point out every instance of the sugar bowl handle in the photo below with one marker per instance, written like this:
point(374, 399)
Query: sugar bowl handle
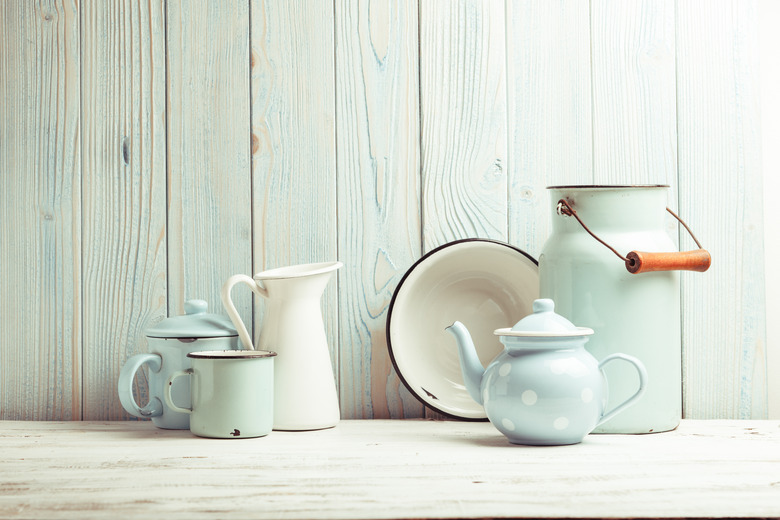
point(154, 407)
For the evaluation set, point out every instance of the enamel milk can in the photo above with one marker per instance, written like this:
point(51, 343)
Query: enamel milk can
point(632, 302)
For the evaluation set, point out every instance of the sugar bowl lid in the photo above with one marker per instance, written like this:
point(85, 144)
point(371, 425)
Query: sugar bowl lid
point(195, 323)
point(544, 323)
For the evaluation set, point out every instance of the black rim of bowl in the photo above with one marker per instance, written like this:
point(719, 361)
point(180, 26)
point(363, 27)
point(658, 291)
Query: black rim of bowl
point(392, 305)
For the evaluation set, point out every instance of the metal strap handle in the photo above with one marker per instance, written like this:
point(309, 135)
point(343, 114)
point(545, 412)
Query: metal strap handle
point(639, 262)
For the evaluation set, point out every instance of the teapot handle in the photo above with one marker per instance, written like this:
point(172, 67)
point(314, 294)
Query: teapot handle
point(231, 309)
point(640, 368)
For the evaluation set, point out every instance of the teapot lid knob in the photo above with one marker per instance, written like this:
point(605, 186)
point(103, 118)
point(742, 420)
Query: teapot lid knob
point(544, 305)
point(198, 306)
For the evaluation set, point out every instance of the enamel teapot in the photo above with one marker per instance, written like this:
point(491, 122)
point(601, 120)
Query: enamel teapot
point(544, 388)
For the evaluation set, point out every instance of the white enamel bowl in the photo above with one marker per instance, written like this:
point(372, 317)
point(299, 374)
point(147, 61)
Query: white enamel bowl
point(484, 284)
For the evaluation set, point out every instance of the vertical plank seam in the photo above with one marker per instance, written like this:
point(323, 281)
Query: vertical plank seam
point(420, 130)
point(679, 200)
point(336, 350)
point(80, 347)
point(592, 98)
point(167, 163)
point(251, 177)
point(507, 126)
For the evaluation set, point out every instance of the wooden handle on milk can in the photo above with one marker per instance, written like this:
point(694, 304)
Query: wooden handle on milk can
point(643, 262)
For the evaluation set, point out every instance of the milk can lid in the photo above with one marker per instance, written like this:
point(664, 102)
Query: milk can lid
point(195, 323)
point(544, 322)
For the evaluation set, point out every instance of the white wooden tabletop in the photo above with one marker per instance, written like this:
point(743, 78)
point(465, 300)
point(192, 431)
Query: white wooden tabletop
point(385, 469)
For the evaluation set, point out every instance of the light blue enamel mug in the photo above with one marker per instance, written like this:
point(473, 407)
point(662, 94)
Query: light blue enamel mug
point(232, 393)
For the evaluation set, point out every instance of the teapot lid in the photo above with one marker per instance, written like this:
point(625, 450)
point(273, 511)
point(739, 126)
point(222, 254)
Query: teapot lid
point(195, 323)
point(544, 322)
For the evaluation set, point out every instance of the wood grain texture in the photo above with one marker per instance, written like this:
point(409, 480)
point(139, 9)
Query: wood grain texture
point(387, 469)
point(720, 185)
point(634, 121)
point(463, 121)
point(40, 211)
point(549, 107)
point(293, 144)
point(369, 132)
point(209, 168)
point(378, 164)
point(124, 228)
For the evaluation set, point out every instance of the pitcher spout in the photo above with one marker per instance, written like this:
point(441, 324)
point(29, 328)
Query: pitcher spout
point(470, 365)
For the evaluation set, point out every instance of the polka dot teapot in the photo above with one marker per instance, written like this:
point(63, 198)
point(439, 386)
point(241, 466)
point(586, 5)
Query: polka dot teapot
point(544, 388)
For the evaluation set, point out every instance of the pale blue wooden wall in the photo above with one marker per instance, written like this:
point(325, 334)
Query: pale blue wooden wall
point(148, 150)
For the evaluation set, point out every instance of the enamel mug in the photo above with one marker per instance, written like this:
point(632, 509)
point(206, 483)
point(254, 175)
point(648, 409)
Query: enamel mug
point(232, 393)
point(169, 343)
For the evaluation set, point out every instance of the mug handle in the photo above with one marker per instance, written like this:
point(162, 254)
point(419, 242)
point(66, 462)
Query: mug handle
point(231, 309)
point(154, 407)
point(167, 391)
point(640, 368)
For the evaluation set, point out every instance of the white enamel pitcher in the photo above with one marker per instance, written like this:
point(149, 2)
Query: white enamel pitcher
point(305, 395)
point(631, 301)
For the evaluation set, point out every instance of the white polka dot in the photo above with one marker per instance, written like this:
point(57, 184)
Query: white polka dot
point(505, 369)
point(587, 395)
point(529, 397)
point(558, 366)
point(561, 423)
point(509, 425)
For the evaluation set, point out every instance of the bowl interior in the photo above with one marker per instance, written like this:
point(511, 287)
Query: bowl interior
point(483, 284)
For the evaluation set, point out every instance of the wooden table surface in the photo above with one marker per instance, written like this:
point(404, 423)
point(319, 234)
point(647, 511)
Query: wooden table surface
point(385, 469)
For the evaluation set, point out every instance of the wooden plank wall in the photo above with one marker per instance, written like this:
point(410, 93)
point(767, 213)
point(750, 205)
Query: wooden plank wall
point(150, 150)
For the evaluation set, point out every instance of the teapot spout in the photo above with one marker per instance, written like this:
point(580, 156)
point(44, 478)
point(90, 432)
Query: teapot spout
point(470, 365)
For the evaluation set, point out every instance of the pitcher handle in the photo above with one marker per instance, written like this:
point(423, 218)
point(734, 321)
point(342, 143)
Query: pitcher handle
point(154, 407)
point(231, 309)
point(640, 368)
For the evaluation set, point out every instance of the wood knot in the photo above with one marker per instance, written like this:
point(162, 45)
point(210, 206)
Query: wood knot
point(125, 151)
point(255, 144)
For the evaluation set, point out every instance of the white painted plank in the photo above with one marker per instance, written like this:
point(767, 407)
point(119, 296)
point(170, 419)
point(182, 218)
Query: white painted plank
point(40, 211)
point(293, 144)
point(124, 191)
point(720, 187)
point(463, 121)
point(378, 163)
point(209, 167)
point(768, 14)
point(386, 469)
point(549, 106)
point(634, 120)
